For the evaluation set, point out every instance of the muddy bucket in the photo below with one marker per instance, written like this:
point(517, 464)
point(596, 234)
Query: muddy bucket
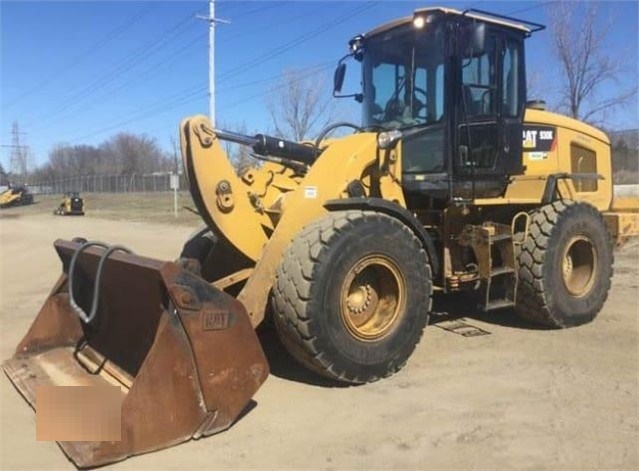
point(177, 357)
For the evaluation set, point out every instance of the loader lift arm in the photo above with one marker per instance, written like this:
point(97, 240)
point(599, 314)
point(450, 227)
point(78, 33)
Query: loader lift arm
point(259, 212)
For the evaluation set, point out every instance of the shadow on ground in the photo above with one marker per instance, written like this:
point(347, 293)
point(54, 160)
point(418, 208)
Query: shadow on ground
point(454, 313)
point(283, 365)
point(450, 307)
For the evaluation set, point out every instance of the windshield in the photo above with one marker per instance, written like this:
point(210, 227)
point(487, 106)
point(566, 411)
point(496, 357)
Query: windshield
point(404, 77)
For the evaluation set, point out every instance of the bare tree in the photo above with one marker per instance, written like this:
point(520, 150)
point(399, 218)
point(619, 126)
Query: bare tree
point(534, 85)
point(45, 174)
point(587, 64)
point(124, 154)
point(133, 154)
point(300, 104)
point(174, 157)
point(4, 176)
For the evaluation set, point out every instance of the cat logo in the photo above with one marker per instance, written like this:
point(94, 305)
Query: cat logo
point(538, 138)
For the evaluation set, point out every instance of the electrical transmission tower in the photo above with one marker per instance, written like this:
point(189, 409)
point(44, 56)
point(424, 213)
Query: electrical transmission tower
point(19, 152)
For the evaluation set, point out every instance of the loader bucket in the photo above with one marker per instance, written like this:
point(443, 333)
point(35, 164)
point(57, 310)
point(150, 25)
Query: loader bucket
point(183, 354)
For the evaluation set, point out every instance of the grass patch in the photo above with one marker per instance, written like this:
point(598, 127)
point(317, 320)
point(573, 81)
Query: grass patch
point(142, 207)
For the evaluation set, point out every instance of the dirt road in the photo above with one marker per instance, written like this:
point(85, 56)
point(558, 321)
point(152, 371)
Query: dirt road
point(513, 398)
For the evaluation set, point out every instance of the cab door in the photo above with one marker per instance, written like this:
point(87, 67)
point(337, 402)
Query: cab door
point(488, 114)
point(512, 100)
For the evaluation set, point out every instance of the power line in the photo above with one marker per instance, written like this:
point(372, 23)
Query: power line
point(474, 5)
point(295, 42)
point(267, 6)
point(317, 68)
point(121, 69)
point(167, 62)
point(138, 56)
point(160, 108)
point(163, 63)
point(182, 99)
point(271, 24)
point(309, 73)
point(538, 5)
point(213, 21)
point(137, 16)
point(127, 64)
point(281, 86)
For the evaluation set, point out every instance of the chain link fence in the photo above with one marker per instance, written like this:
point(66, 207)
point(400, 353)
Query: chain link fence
point(135, 183)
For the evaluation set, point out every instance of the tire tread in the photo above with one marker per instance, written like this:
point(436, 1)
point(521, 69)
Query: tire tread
point(533, 297)
point(292, 292)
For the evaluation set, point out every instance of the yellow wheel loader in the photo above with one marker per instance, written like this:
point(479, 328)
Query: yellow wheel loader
point(452, 182)
point(17, 195)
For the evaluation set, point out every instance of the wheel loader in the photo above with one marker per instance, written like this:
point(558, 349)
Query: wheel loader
point(16, 195)
point(453, 182)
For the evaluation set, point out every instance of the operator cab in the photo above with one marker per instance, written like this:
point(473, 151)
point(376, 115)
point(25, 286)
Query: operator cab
point(453, 84)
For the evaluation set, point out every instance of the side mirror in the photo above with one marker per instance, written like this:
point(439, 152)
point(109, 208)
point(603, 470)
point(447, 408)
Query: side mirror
point(473, 42)
point(338, 78)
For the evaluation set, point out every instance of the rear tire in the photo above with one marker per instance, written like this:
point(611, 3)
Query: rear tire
point(352, 296)
point(565, 265)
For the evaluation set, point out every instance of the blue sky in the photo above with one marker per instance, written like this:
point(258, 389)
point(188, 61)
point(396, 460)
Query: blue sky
point(79, 72)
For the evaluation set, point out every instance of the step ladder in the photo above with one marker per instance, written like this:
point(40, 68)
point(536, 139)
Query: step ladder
point(494, 249)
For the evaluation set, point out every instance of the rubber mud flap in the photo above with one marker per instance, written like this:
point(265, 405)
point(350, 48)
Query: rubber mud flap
point(183, 354)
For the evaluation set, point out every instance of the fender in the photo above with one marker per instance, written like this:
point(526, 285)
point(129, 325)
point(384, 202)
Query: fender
point(550, 190)
point(391, 209)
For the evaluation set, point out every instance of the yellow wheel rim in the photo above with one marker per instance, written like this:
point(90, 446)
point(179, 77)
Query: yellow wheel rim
point(579, 265)
point(373, 297)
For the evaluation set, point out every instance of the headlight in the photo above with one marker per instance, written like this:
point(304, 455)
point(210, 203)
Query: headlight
point(388, 139)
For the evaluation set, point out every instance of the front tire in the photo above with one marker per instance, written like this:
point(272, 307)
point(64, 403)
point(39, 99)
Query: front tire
point(565, 265)
point(352, 296)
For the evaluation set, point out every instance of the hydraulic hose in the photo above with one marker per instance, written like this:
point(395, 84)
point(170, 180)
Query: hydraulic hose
point(109, 249)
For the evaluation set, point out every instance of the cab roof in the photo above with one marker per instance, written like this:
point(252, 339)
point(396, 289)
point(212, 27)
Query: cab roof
point(522, 26)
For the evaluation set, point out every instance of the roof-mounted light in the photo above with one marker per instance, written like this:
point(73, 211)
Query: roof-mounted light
point(356, 44)
point(422, 19)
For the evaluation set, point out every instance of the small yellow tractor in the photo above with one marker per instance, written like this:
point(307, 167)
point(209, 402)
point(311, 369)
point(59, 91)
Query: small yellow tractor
point(71, 205)
point(452, 182)
point(17, 195)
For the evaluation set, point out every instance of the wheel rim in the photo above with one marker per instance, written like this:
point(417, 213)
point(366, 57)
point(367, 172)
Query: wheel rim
point(372, 298)
point(579, 265)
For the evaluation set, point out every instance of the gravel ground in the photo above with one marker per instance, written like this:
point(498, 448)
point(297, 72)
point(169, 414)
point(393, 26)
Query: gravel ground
point(515, 397)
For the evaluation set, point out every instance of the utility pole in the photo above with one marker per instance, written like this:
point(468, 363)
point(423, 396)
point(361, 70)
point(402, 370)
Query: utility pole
point(212, 21)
